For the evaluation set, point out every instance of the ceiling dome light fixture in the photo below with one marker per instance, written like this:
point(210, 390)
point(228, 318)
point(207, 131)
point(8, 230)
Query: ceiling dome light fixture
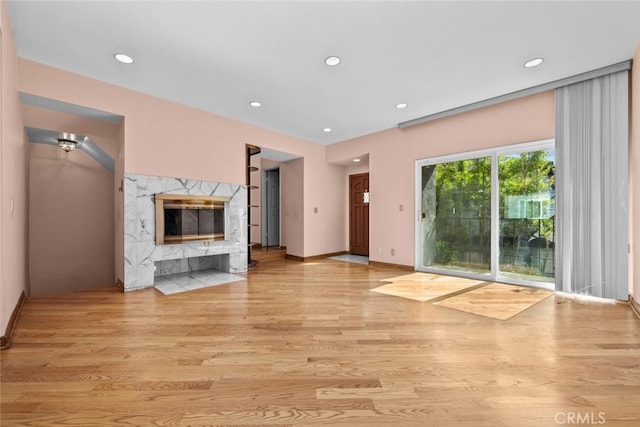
point(332, 61)
point(356, 160)
point(326, 130)
point(533, 62)
point(124, 58)
point(255, 104)
point(67, 141)
point(401, 105)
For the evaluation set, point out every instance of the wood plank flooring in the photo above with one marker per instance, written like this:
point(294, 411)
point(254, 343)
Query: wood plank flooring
point(496, 300)
point(302, 344)
point(425, 286)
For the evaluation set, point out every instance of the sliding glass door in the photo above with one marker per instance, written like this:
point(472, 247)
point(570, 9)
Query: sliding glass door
point(456, 204)
point(527, 215)
point(488, 214)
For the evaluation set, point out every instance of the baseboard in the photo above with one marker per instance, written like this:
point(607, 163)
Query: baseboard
point(314, 257)
point(371, 263)
point(387, 264)
point(120, 285)
point(5, 340)
point(634, 305)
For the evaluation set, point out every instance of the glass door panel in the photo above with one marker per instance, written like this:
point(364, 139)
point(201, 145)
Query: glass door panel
point(456, 215)
point(527, 215)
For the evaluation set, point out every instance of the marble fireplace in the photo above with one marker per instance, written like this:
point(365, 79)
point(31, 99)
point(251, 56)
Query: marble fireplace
point(222, 245)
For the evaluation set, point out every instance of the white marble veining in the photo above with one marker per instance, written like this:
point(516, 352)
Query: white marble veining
point(140, 251)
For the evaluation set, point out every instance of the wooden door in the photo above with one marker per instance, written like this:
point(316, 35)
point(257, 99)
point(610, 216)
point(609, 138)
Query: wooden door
point(359, 214)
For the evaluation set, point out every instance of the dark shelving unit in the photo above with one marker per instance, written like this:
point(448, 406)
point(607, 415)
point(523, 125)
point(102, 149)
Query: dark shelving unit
point(251, 150)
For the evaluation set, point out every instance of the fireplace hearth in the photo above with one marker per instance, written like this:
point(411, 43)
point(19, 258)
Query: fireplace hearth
point(186, 218)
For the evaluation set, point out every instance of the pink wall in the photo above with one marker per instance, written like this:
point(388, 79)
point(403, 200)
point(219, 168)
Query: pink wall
point(169, 139)
point(324, 205)
point(392, 156)
point(14, 183)
point(163, 138)
point(634, 238)
point(71, 216)
point(292, 206)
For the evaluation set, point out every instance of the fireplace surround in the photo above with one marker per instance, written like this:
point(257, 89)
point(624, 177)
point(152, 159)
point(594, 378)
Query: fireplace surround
point(141, 251)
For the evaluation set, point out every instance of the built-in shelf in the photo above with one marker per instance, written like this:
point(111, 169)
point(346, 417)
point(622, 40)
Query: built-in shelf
point(252, 150)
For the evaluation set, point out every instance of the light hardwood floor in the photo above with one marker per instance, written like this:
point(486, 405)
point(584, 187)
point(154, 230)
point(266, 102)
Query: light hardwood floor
point(309, 343)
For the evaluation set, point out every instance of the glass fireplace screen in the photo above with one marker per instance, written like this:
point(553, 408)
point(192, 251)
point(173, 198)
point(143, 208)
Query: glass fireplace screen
point(181, 218)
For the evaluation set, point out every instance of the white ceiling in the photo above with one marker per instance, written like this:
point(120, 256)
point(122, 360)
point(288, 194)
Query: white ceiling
point(220, 55)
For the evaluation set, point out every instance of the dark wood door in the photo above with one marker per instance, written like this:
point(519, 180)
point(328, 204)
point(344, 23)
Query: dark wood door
point(359, 214)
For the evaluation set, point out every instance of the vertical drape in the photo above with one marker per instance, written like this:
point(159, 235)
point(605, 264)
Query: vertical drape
point(592, 125)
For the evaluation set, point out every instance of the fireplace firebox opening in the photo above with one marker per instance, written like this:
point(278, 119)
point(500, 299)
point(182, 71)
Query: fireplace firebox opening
point(186, 218)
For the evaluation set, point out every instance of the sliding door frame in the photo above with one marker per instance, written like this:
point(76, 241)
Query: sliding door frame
point(494, 154)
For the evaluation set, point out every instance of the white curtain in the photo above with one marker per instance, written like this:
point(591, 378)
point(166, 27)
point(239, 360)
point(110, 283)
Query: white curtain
point(592, 127)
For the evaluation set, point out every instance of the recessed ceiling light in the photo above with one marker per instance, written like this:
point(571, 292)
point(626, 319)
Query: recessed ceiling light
point(332, 61)
point(533, 62)
point(255, 104)
point(401, 106)
point(326, 130)
point(356, 160)
point(125, 59)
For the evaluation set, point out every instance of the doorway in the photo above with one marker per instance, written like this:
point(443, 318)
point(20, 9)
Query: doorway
point(359, 214)
point(271, 208)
